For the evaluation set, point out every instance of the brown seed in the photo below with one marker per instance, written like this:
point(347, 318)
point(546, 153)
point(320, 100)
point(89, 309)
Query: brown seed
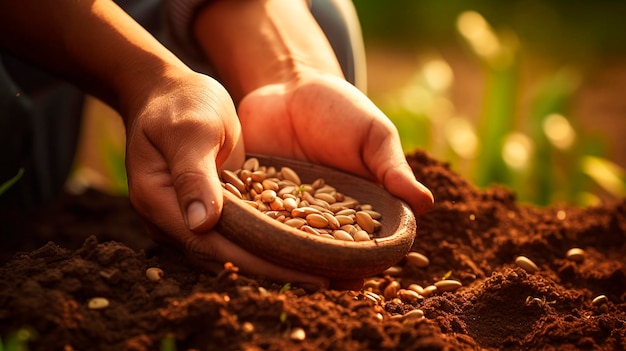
point(268, 196)
point(575, 254)
point(269, 184)
point(342, 235)
point(309, 229)
point(391, 290)
point(297, 334)
point(317, 183)
point(295, 222)
point(409, 296)
point(414, 315)
point(251, 164)
point(231, 177)
point(448, 285)
point(361, 235)
point(364, 220)
point(316, 220)
point(417, 288)
point(154, 274)
point(328, 198)
point(417, 259)
point(290, 204)
point(600, 300)
point(233, 190)
point(277, 204)
point(258, 176)
point(98, 303)
point(348, 212)
point(343, 220)
point(526, 264)
point(429, 290)
point(291, 175)
point(333, 223)
point(373, 214)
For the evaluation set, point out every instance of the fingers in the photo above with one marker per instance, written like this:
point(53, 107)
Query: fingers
point(206, 249)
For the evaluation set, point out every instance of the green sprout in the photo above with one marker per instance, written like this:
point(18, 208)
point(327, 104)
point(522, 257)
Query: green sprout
point(18, 341)
point(168, 343)
point(285, 288)
point(9, 183)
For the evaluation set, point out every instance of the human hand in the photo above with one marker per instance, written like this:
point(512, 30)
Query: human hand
point(176, 143)
point(324, 119)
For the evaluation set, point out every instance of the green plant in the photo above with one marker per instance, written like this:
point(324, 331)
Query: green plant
point(9, 183)
point(18, 340)
point(539, 154)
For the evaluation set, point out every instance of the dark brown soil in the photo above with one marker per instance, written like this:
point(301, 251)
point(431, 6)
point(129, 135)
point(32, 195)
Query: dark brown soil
point(473, 236)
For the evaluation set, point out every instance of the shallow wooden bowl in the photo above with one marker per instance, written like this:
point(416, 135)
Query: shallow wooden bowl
point(335, 259)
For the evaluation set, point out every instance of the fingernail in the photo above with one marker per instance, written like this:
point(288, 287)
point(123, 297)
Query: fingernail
point(196, 214)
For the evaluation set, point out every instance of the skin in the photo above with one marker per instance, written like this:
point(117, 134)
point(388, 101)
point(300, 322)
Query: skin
point(277, 67)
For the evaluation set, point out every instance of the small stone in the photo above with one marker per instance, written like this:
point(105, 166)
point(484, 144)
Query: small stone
point(298, 334)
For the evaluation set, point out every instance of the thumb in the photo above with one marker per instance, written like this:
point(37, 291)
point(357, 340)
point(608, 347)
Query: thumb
point(198, 186)
point(400, 181)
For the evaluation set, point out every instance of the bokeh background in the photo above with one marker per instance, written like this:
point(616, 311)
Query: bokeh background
point(524, 93)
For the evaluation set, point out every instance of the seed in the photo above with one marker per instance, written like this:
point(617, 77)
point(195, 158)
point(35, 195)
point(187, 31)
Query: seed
point(154, 274)
point(295, 222)
point(277, 204)
point(291, 175)
point(317, 183)
point(258, 176)
point(372, 284)
point(575, 254)
point(290, 204)
point(343, 220)
point(391, 290)
point(348, 212)
point(409, 295)
point(233, 190)
point(328, 198)
point(417, 259)
point(315, 208)
point(327, 236)
point(364, 220)
point(316, 220)
point(342, 235)
point(333, 223)
point(373, 296)
point(417, 288)
point(600, 300)
point(309, 229)
point(414, 314)
point(297, 334)
point(269, 184)
point(251, 164)
point(448, 285)
point(268, 196)
point(98, 303)
point(526, 264)
point(373, 214)
point(429, 290)
point(361, 235)
point(247, 327)
point(231, 177)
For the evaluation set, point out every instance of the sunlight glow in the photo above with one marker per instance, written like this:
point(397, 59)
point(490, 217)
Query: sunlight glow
point(559, 131)
point(438, 75)
point(517, 150)
point(606, 173)
point(461, 137)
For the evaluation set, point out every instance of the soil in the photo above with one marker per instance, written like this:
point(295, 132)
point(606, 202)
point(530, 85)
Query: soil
point(97, 248)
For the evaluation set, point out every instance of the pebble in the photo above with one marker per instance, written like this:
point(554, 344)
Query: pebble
point(154, 274)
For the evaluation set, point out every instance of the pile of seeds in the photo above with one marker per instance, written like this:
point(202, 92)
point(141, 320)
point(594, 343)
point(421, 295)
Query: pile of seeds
point(315, 208)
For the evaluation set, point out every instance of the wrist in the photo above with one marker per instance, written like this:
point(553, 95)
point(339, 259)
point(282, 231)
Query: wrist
point(254, 43)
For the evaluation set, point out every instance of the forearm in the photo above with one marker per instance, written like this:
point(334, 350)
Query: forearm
point(94, 44)
point(253, 43)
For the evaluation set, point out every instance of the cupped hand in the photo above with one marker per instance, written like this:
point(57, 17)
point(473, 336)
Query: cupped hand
point(326, 120)
point(176, 143)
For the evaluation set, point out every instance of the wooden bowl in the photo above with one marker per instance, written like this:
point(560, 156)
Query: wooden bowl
point(335, 259)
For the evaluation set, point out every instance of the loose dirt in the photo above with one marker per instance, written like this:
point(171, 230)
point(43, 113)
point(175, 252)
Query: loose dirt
point(97, 249)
